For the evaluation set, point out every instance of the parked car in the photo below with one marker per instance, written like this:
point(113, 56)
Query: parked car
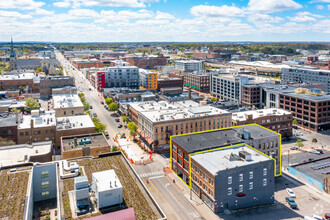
point(294, 147)
point(94, 114)
point(102, 102)
point(327, 215)
point(319, 150)
point(317, 217)
point(310, 159)
point(314, 152)
point(120, 126)
point(90, 89)
point(117, 119)
point(291, 193)
point(106, 134)
point(90, 107)
point(291, 202)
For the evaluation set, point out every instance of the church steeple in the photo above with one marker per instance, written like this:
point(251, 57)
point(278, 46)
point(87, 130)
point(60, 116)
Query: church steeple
point(12, 52)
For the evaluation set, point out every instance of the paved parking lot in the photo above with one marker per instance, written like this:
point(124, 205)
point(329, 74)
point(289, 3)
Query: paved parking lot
point(309, 202)
point(296, 156)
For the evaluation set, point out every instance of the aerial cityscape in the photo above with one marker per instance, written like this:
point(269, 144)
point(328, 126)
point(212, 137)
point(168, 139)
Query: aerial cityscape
point(163, 109)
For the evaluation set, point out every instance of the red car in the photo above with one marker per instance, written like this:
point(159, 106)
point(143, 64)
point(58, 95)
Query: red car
point(102, 102)
point(327, 215)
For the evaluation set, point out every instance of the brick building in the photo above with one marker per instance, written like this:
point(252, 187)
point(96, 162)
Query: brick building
point(8, 125)
point(277, 120)
point(169, 83)
point(67, 105)
point(84, 63)
point(13, 82)
point(49, 83)
point(199, 82)
point(147, 62)
point(251, 95)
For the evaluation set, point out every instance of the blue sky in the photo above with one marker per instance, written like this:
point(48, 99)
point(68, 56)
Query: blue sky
point(164, 20)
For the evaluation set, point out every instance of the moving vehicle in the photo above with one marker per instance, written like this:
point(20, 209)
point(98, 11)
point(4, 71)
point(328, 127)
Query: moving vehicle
point(90, 89)
point(294, 147)
point(291, 193)
point(310, 159)
point(94, 114)
point(319, 150)
point(291, 202)
point(117, 119)
point(317, 217)
point(106, 134)
point(314, 152)
point(327, 215)
point(120, 126)
point(102, 102)
point(90, 107)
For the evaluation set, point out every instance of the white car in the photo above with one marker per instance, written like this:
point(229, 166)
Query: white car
point(291, 193)
point(317, 217)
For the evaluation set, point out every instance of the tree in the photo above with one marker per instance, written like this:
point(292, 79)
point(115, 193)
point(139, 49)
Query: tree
point(15, 110)
point(295, 122)
point(124, 118)
point(113, 106)
point(39, 70)
point(132, 128)
point(31, 104)
point(100, 128)
point(299, 143)
point(108, 101)
point(83, 99)
point(86, 106)
point(213, 99)
point(21, 88)
point(81, 95)
point(115, 148)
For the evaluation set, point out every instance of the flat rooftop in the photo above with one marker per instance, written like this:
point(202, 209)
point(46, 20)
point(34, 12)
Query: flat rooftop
point(243, 116)
point(20, 76)
point(219, 160)
point(16, 154)
point(66, 101)
point(188, 61)
point(316, 174)
point(80, 141)
point(218, 138)
point(14, 188)
point(74, 122)
point(106, 180)
point(46, 119)
point(168, 78)
point(8, 119)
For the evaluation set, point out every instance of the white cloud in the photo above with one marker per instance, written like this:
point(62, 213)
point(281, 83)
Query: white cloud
point(270, 6)
point(13, 14)
point(21, 4)
point(264, 18)
point(64, 4)
point(216, 11)
point(83, 14)
point(40, 11)
point(328, 7)
point(112, 3)
point(319, 7)
point(163, 15)
point(306, 13)
point(305, 17)
point(322, 26)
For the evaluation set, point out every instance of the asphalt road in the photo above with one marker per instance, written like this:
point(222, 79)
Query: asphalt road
point(174, 204)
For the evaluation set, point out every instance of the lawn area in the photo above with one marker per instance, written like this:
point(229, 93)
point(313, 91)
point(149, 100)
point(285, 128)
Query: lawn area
point(132, 194)
point(12, 193)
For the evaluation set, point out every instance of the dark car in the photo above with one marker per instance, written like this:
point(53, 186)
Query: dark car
point(291, 202)
point(319, 150)
point(117, 119)
point(120, 126)
point(90, 89)
point(310, 159)
point(91, 107)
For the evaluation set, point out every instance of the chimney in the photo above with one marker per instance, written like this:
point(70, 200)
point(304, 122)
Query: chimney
point(31, 123)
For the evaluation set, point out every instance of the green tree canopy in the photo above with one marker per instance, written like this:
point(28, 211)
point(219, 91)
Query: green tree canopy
point(86, 106)
point(39, 70)
point(21, 88)
point(124, 118)
point(295, 122)
point(100, 128)
point(132, 128)
point(15, 110)
point(81, 94)
point(299, 143)
point(113, 106)
point(31, 104)
point(108, 101)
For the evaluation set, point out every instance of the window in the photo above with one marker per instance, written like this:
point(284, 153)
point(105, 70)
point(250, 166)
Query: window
point(45, 184)
point(44, 174)
point(211, 181)
point(45, 194)
point(230, 179)
point(240, 188)
point(21, 134)
point(180, 152)
point(205, 187)
point(230, 191)
point(185, 166)
point(264, 182)
point(210, 192)
point(174, 148)
point(205, 176)
point(265, 171)
point(241, 177)
point(251, 175)
point(250, 185)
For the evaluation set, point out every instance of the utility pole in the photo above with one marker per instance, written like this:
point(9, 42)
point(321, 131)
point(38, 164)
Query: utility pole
point(288, 157)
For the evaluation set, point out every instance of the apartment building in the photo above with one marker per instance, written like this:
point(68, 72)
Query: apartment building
point(8, 125)
point(28, 80)
point(39, 126)
point(189, 65)
point(67, 105)
point(304, 75)
point(278, 120)
point(199, 82)
point(157, 121)
point(49, 83)
point(169, 82)
point(118, 76)
point(73, 125)
point(147, 62)
point(148, 79)
point(310, 107)
point(228, 86)
point(233, 177)
point(257, 137)
point(251, 95)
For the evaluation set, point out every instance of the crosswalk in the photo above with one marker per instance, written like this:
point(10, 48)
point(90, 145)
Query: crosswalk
point(155, 173)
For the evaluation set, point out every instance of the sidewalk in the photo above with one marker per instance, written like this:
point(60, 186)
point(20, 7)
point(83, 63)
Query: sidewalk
point(198, 204)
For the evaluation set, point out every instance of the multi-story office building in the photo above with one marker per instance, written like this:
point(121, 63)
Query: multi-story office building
point(277, 120)
point(228, 86)
point(189, 65)
point(183, 146)
point(157, 121)
point(304, 75)
point(309, 107)
point(199, 82)
point(251, 95)
point(147, 62)
point(49, 83)
point(233, 177)
point(169, 82)
point(67, 105)
point(118, 76)
point(148, 79)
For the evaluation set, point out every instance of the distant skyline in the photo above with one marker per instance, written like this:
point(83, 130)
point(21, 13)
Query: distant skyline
point(164, 20)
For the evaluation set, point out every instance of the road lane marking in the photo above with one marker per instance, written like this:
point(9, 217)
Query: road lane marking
point(155, 177)
point(161, 195)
